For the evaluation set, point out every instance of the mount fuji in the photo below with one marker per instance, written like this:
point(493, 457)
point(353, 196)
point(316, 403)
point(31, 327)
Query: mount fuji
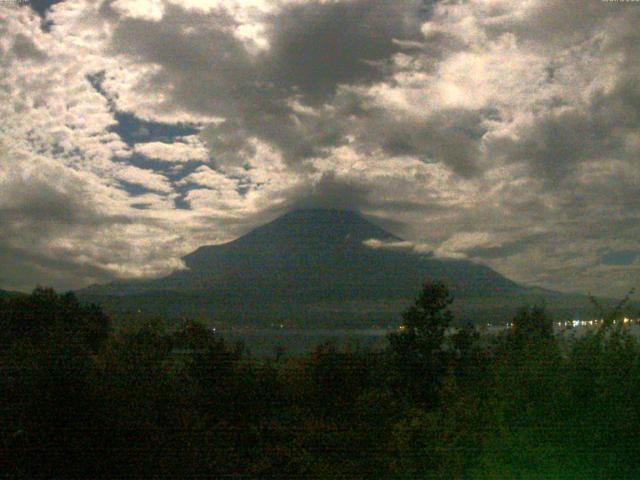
point(317, 267)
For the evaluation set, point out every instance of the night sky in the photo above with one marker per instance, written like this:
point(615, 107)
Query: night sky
point(505, 132)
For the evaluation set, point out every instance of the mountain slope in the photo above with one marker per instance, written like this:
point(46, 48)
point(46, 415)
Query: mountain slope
point(311, 264)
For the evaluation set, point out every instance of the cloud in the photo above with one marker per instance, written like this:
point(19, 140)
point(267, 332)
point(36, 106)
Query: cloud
point(274, 94)
point(40, 222)
point(183, 149)
point(145, 178)
point(135, 131)
point(403, 245)
point(25, 49)
point(329, 190)
point(317, 46)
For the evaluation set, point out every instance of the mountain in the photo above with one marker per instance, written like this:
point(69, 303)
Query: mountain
point(311, 266)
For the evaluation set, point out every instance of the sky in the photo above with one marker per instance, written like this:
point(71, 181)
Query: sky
point(503, 132)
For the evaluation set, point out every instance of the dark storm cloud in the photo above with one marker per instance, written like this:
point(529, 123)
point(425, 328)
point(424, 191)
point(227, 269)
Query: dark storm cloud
point(504, 131)
point(318, 46)
point(209, 69)
point(505, 250)
point(25, 49)
point(620, 108)
point(315, 48)
point(557, 143)
point(331, 192)
point(40, 207)
point(228, 143)
point(567, 135)
point(555, 24)
point(35, 214)
point(23, 269)
point(210, 72)
point(449, 136)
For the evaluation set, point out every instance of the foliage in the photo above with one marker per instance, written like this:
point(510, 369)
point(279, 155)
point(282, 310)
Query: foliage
point(531, 326)
point(417, 350)
point(44, 316)
point(80, 401)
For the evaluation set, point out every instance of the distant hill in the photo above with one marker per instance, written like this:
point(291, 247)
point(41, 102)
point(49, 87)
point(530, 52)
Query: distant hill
point(317, 267)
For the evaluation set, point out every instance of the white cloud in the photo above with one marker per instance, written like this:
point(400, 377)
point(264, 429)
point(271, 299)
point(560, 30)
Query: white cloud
point(145, 9)
point(144, 177)
point(457, 245)
point(497, 131)
point(406, 245)
point(183, 149)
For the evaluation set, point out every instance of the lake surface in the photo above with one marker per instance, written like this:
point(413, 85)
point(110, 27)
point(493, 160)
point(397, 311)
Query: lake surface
point(296, 341)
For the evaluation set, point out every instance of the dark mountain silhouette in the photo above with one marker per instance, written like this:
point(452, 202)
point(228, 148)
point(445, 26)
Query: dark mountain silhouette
point(310, 265)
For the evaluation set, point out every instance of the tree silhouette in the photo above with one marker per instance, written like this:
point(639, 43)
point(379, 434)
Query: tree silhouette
point(45, 316)
point(417, 348)
point(48, 342)
point(531, 325)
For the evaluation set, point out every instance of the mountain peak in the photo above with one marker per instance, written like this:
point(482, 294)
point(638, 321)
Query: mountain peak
point(315, 224)
point(322, 213)
point(321, 216)
point(306, 258)
point(313, 231)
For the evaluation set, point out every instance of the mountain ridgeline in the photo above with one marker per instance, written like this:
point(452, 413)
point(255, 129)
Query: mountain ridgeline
point(314, 266)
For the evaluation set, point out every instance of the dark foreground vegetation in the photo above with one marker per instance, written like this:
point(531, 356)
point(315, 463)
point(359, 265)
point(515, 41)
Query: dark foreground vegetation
point(81, 400)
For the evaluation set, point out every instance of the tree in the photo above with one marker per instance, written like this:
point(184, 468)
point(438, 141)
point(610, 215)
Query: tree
point(45, 316)
point(425, 322)
point(610, 316)
point(430, 314)
point(464, 340)
point(48, 344)
point(531, 326)
point(417, 348)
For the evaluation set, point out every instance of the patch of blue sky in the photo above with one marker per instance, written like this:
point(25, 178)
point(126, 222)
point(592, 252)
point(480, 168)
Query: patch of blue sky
point(244, 184)
point(134, 189)
point(180, 201)
point(141, 206)
point(620, 257)
point(174, 171)
point(133, 129)
point(41, 6)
